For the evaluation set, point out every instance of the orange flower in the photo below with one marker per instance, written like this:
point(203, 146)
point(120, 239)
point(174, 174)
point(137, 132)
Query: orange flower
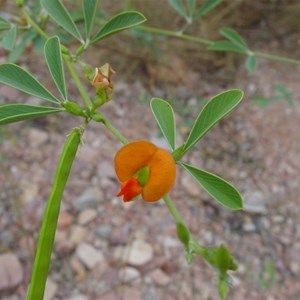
point(144, 169)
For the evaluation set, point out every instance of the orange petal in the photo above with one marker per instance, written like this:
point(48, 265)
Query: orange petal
point(130, 189)
point(132, 157)
point(161, 178)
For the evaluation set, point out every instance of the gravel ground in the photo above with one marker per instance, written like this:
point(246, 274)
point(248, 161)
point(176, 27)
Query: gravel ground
point(108, 250)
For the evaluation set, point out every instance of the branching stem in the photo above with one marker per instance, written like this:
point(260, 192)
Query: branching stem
point(207, 42)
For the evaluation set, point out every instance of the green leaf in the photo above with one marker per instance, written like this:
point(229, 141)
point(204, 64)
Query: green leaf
point(9, 39)
point(234, 37)
point(164, 115)
point(283, 90)
point(183, 233)
point(54, 61)
point(59, 13)
point(19, 48)
point(47, 232)
point(89, 11)
point(251, 63)
point(224, 260)
point(18, 78)
point(179, 7)
point(39, 44)
point(118, 23)
point(192, 6)
point(223, 287)
point(4, 24)
point(225, 46)
point(261, 101)
point(11, 113)
point(215, 109)
point(222, 191)
point(207, 6)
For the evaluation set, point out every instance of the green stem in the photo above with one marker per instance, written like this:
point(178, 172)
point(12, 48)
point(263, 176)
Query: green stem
point(38, 29)
point(47, 232)
point(87, 101)
point(173, 210)
point(177, 35)
point(209, 42)
point(277, 58)
point(98, 117)
point(178, 219)
point(115, 132)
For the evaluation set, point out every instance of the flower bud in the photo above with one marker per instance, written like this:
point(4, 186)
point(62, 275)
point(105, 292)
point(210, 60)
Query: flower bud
point(102, 78)
point(73, 108)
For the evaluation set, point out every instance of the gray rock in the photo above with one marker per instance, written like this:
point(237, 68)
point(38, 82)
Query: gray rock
point(89, 255)
point(90, 198)
point(170, 242)
point(104, 231)
point(249, 227)
point(11, 272)
point(87, 216)
point(254, 202)
point(191, 187)
point(160, 278)
point(11, 297)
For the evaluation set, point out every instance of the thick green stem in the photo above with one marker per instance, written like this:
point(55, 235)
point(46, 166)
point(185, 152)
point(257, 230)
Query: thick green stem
point(47, 232)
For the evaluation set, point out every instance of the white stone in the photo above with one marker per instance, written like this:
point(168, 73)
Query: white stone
point(78, 297)
point(249, 227)
point(138, 253)
point(129, 274)
point(89, 255)
point(50, 290)
point(170, 242)
point(255, 202)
